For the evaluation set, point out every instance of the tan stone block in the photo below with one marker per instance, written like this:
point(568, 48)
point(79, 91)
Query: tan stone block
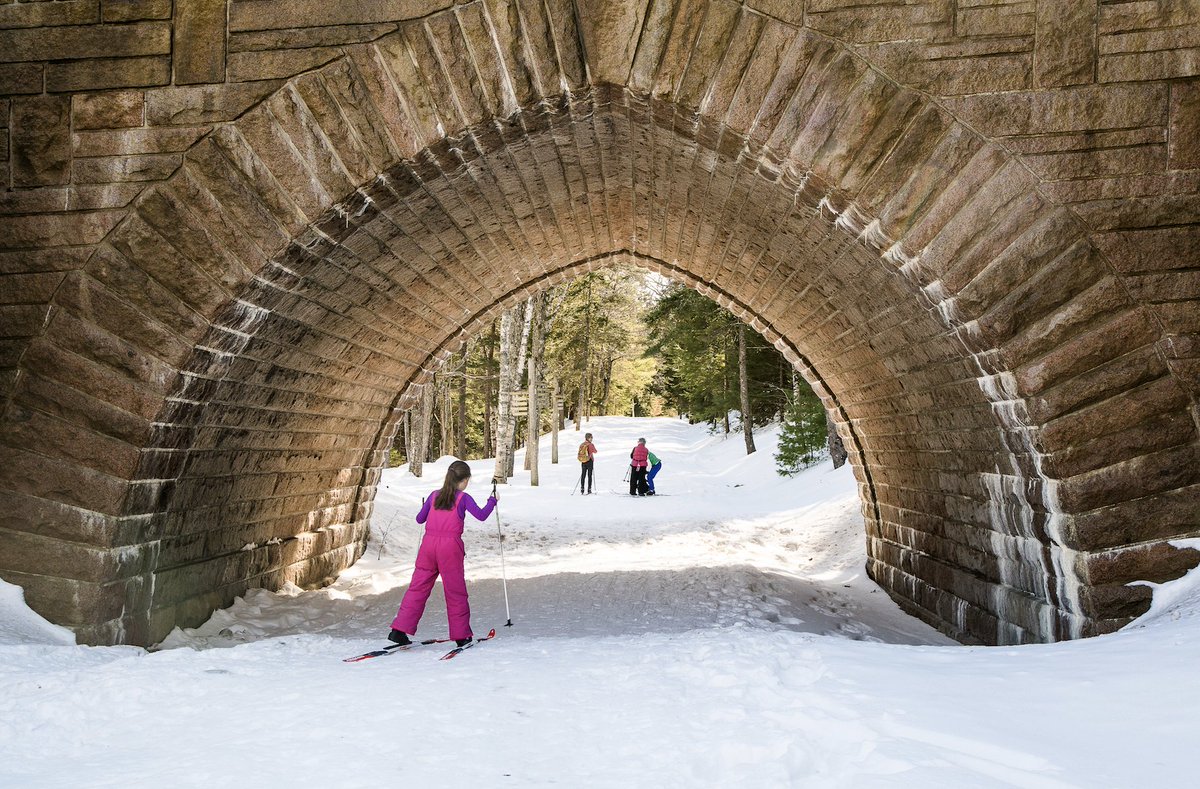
point(199, 42)
point(116, 169)
point(1153, 517)
point(191, 106)
point(1156, 563)
point(284, 14)
point(1159, 472)
point(136, 10)
point(67, 601)
point(49, 230)
point(1084, 108)
point(81, 42)
point(41, 147)
point(125, 142)
point(101, 74)
point(110, 110)
point(1065, 48)
point(46, 475)
point(1183, 126)
point(65, 12)
point(277, 63)
point(1148, 66)
point(18, 78)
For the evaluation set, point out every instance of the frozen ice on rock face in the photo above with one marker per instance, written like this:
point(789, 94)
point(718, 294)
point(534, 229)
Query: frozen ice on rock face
point(722, 635)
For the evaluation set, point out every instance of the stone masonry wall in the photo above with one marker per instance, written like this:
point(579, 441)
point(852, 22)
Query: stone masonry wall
point(235, 238)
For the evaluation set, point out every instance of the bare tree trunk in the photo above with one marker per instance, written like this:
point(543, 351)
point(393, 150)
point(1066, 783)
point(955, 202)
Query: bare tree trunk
point(608, 367)
point(445, 411)
point(522, 353)
point(583, 367)
point(725, 387)
point(837, 450)
point(510, 335)
point(744, 391)
point(488, 397)
point(461, 435)
point(421, 440)
point(537, 335)
point(555, 420)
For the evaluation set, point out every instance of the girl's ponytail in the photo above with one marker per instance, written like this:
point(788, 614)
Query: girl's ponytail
point(457, 472)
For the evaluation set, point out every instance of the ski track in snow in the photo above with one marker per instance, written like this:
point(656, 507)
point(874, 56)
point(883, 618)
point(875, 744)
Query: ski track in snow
point(723, 635)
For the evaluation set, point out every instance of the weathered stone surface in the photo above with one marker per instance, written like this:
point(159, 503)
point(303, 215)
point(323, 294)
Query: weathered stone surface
point(80, 42)
point(102, 74)
point(136, 10)
point(41, 140)
point(1183, 128)
point(108, 110)
point(199, 42)
point(1065, 48)
point(197, 105)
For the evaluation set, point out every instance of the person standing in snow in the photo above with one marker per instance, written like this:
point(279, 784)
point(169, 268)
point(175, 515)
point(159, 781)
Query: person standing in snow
point(587, 462)
point(638, 461)
point(655, 466)
point(442, 553)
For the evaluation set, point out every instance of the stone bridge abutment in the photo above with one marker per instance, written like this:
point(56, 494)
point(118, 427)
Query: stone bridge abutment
point(234, 245)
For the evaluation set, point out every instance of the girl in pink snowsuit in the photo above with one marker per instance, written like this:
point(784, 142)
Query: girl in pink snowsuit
point(441, 553)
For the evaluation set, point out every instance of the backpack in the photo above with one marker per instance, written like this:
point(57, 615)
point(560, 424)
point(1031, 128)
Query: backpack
point(583, 454)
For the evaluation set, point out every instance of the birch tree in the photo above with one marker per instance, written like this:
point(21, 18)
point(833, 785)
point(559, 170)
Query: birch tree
point(510, 337)
point(537, 350)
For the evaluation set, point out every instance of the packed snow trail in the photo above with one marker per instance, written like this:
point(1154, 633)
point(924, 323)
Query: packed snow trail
point(722, 636)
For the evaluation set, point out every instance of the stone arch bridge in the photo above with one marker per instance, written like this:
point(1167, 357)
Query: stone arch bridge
point(234, 238)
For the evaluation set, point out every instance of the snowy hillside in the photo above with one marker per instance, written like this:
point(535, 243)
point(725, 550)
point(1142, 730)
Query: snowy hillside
point(720, 634)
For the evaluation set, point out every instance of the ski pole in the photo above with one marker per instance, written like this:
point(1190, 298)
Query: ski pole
point(503, 573)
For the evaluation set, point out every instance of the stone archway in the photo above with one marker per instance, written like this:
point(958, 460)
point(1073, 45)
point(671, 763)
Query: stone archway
point(233, 340)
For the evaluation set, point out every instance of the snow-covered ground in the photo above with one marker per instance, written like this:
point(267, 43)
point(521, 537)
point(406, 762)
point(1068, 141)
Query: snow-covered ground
point(723, 634)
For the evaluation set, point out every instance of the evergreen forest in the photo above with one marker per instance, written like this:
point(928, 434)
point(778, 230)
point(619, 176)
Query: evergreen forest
point(617, 341)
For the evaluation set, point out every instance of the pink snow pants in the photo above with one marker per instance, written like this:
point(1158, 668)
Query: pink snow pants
point(441, 553)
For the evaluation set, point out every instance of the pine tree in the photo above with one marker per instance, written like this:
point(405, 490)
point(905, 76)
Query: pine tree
point(802, 435)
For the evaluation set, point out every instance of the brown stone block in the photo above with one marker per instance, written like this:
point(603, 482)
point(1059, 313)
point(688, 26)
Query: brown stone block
point(124, 142)
point(18, 78)
point(1183, 126)
point(81, 409)
point(90, 378)
point(81, 42)
point(1084, 108)
point(52, 519)
point(1071, 165)
point(1138, 477)
point(110, 110)
point(51, 476)
point(32, 553)
point(101, 74)
point(41, 231)
point(293, 115)
point(136, 10)
point(1156, 563)
point(1154, 517)
point(32, 261)
point(1180, 317)
point(192, 106)
point(116, 169)
point(1098, 303)
point(345, 142)
point(65, 12)
point(284, 14)
point(1134, 251)
point(1124, 372)
point(29, 288)
point(89, 300)
point(67, 601)
point(41, 140)
point(1095, 346)
point(199, 42)
point(133, 286)
point(136, 240)
point(1114, 601)
point(1065, 48)
point(1151, 434)
point(278, 63)
point(91, 342)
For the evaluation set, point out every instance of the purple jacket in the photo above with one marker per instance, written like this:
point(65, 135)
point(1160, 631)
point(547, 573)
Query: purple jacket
point(447, 520)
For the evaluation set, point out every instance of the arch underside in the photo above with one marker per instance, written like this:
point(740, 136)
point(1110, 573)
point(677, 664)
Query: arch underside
point(278, 427)
point(227, 363)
